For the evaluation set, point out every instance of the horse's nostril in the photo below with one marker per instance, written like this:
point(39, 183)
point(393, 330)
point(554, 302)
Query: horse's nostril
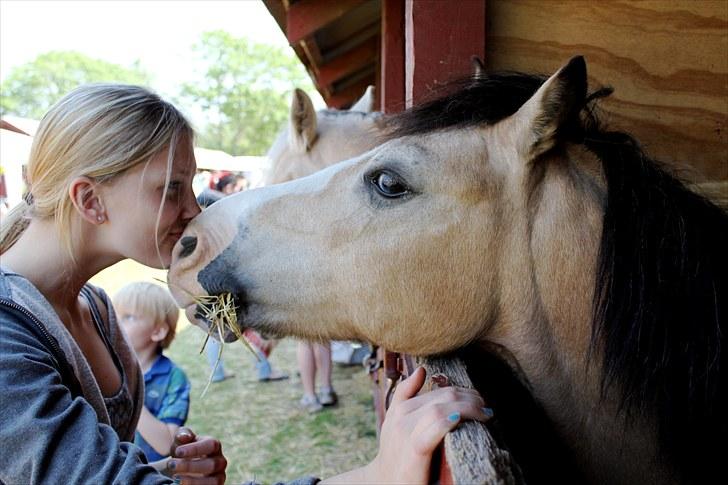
point(189, 243)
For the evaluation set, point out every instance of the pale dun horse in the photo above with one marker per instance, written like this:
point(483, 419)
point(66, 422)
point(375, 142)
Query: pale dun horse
point(504, 216)
point(314, 140)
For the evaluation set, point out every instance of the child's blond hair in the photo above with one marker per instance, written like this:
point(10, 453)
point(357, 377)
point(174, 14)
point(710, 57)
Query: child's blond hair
point(152, 301)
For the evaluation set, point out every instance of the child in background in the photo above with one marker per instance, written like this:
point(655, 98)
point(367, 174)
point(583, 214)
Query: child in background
point(148, 315)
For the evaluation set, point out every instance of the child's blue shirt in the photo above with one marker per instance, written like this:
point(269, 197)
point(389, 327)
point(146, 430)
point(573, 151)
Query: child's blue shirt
point(166, 396)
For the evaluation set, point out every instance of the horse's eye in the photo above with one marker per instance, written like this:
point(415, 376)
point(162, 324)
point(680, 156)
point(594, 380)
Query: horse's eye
point(389, 185)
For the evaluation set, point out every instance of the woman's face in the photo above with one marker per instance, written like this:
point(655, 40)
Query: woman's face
point(133, 201)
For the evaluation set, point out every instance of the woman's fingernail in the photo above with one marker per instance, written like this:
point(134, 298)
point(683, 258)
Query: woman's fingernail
point(180, 453)
point(488, 412)
point(171, 464)
point(454, 417)
point(440, 380)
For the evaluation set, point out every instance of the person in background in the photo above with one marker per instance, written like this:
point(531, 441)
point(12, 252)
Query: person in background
point(148, 315)
point(315, 358)
point(262, 348)
point(231, 183)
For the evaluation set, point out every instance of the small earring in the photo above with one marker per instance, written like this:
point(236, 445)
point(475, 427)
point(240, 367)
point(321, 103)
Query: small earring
point(100, 218)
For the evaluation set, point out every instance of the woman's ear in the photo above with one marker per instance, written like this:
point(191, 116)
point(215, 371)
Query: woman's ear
point(86, 198)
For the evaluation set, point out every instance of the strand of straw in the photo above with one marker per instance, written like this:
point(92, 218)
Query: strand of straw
point(219, 311)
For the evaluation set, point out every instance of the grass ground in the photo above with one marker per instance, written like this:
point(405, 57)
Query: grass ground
point(265, 436)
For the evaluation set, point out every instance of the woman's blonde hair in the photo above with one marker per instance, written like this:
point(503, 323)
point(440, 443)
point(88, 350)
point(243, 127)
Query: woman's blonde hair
point(151, 301)
point(98, 131)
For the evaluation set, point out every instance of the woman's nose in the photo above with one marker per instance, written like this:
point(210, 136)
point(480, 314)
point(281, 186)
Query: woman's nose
point(189, 243)
point(192, 208)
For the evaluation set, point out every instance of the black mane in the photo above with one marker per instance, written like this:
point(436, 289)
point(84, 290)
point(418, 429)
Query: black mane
point(475, 101)
point(660, 286)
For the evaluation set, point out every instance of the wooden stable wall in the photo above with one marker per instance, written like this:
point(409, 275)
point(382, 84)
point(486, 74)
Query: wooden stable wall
point(667, 60)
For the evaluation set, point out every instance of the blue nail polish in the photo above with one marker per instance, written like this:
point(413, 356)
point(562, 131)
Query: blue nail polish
point(171, 464)
point(488, 412)
point(454, 417)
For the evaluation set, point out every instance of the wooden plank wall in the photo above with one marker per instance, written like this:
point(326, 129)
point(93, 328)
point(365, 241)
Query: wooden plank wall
point(667, 60)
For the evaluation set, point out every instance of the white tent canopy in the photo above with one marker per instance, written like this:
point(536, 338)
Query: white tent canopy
point(218, 160)
point(253, 167)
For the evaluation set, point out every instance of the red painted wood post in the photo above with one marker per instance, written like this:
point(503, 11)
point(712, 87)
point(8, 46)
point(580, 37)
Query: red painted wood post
point(391, 84)
point(391, 100)
point(307, 16)
point(440, 39)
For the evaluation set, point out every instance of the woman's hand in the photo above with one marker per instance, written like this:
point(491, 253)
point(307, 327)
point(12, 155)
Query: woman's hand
point(197, 460)
point(415, 426)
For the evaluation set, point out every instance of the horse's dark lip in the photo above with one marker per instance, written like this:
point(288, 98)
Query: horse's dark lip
point(237, 303)
point(199, 313)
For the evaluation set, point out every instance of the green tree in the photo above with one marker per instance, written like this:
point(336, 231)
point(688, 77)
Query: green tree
point(243, 91)
point(30, 89)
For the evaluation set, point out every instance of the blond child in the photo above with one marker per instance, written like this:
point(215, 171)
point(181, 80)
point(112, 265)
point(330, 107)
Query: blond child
point(148, 315)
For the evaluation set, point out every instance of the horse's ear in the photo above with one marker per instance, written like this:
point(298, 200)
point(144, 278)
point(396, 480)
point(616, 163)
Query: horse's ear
point(303, 121)
point(556, 103)
point(366, 102)
point(478, 66)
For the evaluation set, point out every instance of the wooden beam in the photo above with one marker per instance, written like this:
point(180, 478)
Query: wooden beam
point(312, 61)
point(366, 74)
point(347, 96)
point(278, 11)
point(311, 50)
point(473, 455)
point(440, 39)
point(358, 37)
point(347, 63)
point(391, 80)
point(305, 17)
point(4, 125)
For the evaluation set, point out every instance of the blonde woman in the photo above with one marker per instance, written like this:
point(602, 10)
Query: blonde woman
point(110, 177)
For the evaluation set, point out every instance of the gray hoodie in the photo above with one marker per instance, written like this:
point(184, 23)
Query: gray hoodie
point(54, 426)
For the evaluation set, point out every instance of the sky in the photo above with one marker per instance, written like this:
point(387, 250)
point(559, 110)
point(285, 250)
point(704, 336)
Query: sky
point(159, 33)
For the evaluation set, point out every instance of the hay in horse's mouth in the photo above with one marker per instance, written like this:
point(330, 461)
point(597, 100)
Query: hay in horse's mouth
point(221, 313)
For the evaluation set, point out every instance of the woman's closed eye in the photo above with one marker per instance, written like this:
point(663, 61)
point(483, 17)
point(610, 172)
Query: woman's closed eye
point(173, 189)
